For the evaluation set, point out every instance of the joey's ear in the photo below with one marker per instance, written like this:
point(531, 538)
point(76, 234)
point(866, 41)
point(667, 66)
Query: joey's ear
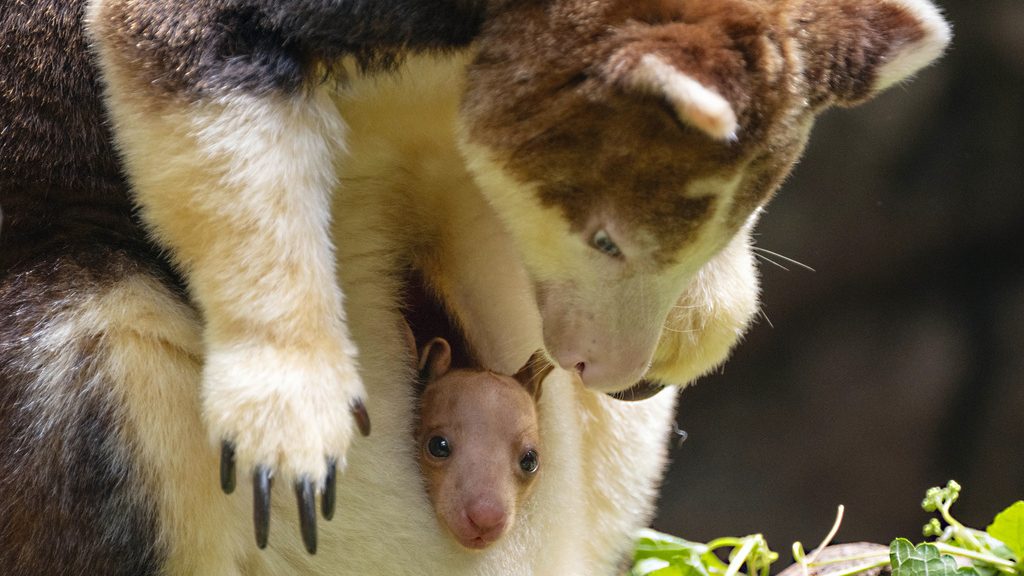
point(533, 373)
point(435, 359)
point(854, 49)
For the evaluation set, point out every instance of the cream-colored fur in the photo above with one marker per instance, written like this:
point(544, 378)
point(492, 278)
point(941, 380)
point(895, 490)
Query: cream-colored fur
point(603, 458)
point(409, 196)
point(240, 188)
point(712, 314)
point(620, 309)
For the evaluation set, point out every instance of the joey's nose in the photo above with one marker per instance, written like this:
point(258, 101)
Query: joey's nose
point(485, 521)
point(487, 517)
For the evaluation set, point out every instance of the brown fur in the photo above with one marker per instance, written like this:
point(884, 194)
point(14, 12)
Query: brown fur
point(846, 47)
point(569, 122)
point(60, 185)
point(203, 48)
point(572, 127)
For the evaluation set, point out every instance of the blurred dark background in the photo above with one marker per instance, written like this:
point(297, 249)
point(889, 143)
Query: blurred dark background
point(899, 363)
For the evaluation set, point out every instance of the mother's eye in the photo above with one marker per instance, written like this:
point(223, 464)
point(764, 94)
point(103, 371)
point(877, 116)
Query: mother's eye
point(603, 243)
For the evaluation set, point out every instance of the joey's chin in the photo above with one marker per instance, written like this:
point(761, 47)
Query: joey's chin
point(475, 543)
point(475, 540)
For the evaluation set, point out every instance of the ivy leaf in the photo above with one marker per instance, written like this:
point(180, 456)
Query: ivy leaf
point(900, 551)
point(923, 560)
point(1008, 528)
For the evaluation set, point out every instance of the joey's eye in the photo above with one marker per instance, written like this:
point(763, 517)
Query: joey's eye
point(439, 447)
point(529, 462)
point(604, 243)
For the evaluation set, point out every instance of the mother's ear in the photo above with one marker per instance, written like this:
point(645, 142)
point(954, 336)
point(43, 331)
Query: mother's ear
point(854, 49)
point(533, 373)
point(694, 103)
point(435, 360)
point(706, 60)
point(716, 62)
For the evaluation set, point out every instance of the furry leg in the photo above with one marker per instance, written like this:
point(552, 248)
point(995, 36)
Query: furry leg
point(237, 186)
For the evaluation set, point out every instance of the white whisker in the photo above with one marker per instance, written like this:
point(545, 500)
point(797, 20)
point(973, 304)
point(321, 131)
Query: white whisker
point(770, 261)
point(675, 331)
point(786, 258)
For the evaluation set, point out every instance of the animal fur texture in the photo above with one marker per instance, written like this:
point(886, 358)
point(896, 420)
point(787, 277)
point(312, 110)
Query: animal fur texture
point(570, 175)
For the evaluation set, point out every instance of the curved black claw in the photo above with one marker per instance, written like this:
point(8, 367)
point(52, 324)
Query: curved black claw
point(306, 496)
point(227, 467)
point(261, 504)
point(642, 390)
point(362, 417)
point(330, 494)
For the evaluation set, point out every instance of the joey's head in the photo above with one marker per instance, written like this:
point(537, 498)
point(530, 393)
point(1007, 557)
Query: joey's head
point(624, 143)
point(478, 444)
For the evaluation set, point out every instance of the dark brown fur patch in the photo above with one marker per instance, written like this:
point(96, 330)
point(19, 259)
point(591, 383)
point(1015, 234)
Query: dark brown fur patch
point(429, 317)
point(206, 48)
point(846, 42)
point(568, 123)
point(59, 177)
point(72, 498)
point(547, 95)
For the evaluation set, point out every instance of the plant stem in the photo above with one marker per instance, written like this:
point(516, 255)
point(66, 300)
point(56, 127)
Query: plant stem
point(740, 557)
point(975, 555)
point(828, 538)
point(861, 568)
point(723, 542)
point(960, 532)
point(878, 554)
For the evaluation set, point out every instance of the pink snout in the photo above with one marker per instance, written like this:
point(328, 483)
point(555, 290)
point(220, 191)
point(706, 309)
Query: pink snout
point(609, 356)
point(483, 521)
point(608, 374)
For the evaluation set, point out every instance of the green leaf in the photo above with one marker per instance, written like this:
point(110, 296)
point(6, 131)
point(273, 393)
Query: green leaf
point(647, 566)
point(652, 544)
point(658, 554)
point(681, 566)
point(666, 571)
point(985, 570)
point(923, 560)
point(1008, 528)
point(900, 551)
